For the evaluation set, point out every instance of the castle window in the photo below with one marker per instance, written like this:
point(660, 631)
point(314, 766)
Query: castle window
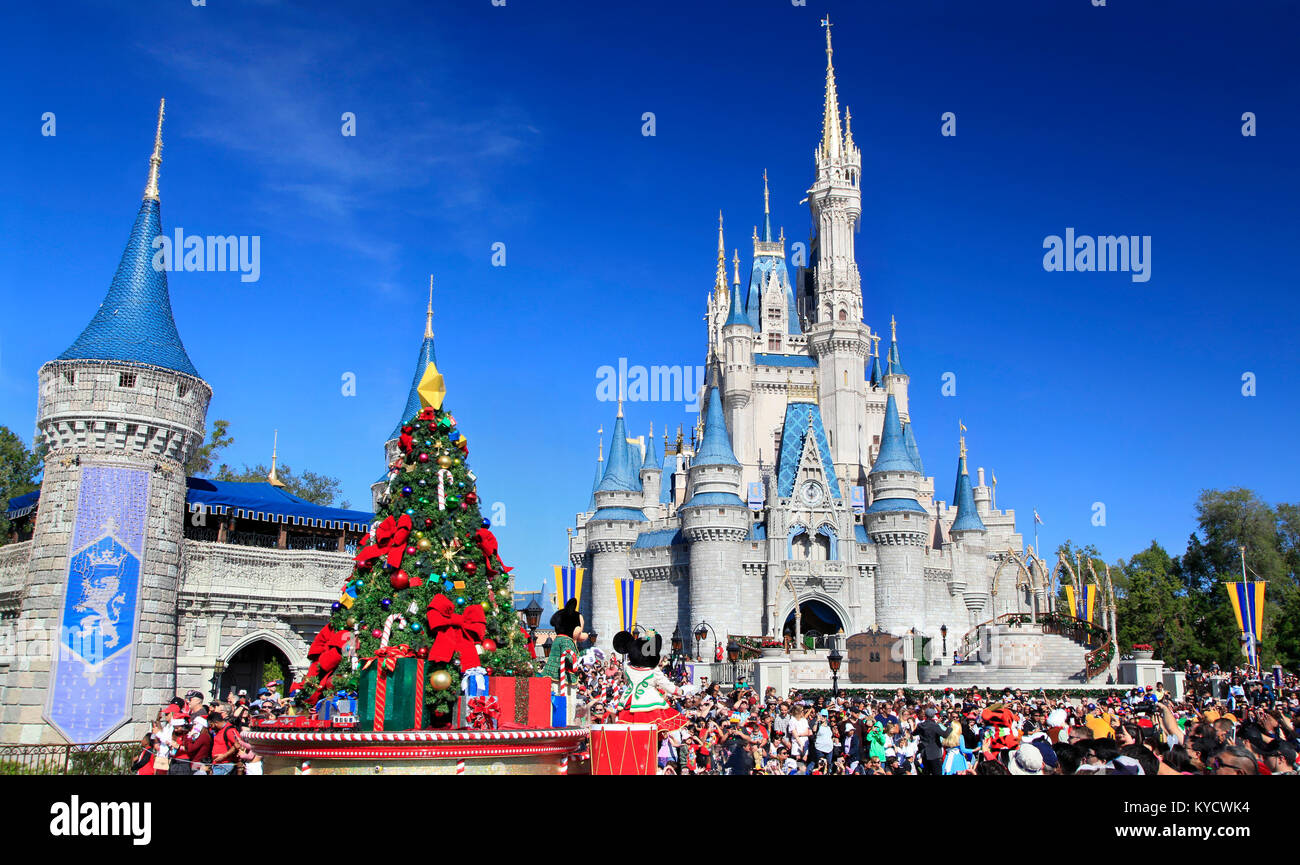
point(126, 379)
point(183, 390)
point(70, 376)
point(774, 342)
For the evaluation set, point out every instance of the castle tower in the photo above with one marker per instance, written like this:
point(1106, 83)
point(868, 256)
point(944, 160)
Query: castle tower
point(738, 373)
point(720, 305)
point(715, 523)
point(611, 531)
point(651, 477)
point(770, 305)
point(837, 338)
point(423, 358)
point(120, 412)
point(968, 543)
point(898, 525)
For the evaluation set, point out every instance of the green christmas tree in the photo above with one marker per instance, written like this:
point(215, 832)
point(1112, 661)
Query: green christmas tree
point(431, 546)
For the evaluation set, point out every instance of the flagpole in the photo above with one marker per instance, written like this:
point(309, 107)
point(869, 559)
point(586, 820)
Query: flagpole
point(1248, 626)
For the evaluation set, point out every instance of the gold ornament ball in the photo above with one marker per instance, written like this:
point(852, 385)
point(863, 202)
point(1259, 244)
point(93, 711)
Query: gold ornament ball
point(444, 461)
point(423, 544)
point(440, 680)
point(487, 608)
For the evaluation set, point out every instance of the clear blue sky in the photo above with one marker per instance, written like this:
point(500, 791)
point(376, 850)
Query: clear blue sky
point(522, 125)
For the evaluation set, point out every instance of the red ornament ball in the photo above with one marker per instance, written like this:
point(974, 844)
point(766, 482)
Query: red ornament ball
point(424, 458)
point(471, 497)
point(428, 522)
point(470, 567)
point(376, 633)
point(399, 580)
point(490, 645)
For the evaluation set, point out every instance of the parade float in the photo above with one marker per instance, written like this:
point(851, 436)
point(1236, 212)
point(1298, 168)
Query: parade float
point(423, 666)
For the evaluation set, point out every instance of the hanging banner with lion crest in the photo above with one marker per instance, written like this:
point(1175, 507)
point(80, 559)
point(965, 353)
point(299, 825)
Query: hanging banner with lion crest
point(90, 689)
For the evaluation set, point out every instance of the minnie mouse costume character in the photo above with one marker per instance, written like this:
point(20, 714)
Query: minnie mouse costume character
point(645, 703)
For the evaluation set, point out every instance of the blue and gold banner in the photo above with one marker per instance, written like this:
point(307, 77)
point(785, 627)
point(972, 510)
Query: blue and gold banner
point(1081, 604)
point(568, 584)
point(93, 676)
point(1248, 606)
point(629, 598)
point(859, 499)
point(757, 495)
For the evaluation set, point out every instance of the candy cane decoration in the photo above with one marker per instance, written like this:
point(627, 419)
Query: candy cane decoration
point(564, 765)
point(388, 628)
point(443, 476)
point(460, 767)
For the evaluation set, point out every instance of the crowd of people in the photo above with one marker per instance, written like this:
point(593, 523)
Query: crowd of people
point(1227, 723)
point(189, 736)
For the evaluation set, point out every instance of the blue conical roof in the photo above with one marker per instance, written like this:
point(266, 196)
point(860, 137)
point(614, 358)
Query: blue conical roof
point(893, 449)
point(595, 484)
point(913, 452)
point(620, 470)
point(413, 406)
point(968, 518)
point(134, 323)
point(875, 378)
point(649, 461)
point(895, 362)
point(738, 314)
point(716, 448)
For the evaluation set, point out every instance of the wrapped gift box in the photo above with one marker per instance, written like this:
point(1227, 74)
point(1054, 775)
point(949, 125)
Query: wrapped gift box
point(525, 701)
point(465, 713)
point(403, 697)
point(559, 711)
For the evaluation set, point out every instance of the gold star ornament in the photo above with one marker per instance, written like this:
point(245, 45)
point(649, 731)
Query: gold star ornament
point(431, 387)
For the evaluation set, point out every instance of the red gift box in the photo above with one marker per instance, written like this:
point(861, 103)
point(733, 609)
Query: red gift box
point(624, 749)
point(525, 701)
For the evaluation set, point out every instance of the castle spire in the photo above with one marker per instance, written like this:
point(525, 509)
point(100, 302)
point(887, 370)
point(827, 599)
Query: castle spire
point(767, 212)
point(424, 360)
point(155, 159)
point(648, 461)
point(428, 315)
point(875, 360)
point(831, 144)
point(895, 362)
point(968, 518)
point(272, 478)
point(893, 456)
point(720, 279)
point(600, 458)
point(715, 449)
point(848, 129)
point(735, 266)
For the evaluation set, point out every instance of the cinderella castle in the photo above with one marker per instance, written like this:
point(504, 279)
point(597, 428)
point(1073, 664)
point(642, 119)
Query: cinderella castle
point(801, 502)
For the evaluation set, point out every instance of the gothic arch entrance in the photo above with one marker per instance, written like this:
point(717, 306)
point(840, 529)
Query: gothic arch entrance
point(253, 665)
point(817, 618)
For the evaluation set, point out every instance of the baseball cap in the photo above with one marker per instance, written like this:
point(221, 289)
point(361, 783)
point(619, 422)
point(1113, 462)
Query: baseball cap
point(243, 692)
point(189, 694)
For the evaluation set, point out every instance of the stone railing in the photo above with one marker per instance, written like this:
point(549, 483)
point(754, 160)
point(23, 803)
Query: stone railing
point(256, 572)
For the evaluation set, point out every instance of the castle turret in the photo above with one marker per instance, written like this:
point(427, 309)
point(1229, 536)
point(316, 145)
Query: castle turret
point(611, 531)
point(392, 452)
point(715, 523)
point(738, 371)
point(651, 477)
point(896, 378)
point(898, 525)
point(600, 469)
point(120, 412)
point(968, 542)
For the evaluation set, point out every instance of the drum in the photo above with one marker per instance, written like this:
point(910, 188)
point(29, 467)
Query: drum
point(623, 749)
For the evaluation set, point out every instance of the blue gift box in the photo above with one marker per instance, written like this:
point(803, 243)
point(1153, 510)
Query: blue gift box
point(346, 704)
point(326, 709)
point(559, 706)
point(474, 682)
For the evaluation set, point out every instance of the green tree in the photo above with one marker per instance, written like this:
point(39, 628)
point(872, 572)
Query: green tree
point(316, 488)
point(448, 559)
point(19, 470)
point(205, 457)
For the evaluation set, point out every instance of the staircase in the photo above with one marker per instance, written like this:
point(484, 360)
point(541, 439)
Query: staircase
point(1062, 664)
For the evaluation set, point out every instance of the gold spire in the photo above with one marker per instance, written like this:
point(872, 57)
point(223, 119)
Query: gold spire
point(273, 479)
point(679, 438)
point(620, 397)
point(875, 346)
point(831, 115)
point(428, 315)
point(848, 129)
point(155, 160)
point(766, 209)
point(961, 437)
point(735, 265)
point(893, 329)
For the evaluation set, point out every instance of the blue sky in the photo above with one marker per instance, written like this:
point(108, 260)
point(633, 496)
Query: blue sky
point(522, 125)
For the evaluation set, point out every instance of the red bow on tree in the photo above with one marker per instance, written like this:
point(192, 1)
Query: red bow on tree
point(405, 442)
point(455, 632)
point(426, 413)
point(390, 540)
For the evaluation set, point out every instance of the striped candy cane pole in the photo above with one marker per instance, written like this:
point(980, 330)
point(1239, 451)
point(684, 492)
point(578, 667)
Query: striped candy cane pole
point(381, 685)
point(564, 765)
point(443, 477)
point(388, 628)
point(460, 767)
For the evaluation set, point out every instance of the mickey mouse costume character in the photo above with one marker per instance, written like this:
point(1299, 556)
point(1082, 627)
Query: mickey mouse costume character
point(645, 703)
point(562, 661)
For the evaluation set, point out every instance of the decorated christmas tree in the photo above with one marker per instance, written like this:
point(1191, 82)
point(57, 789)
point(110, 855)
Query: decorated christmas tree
point(428, 581)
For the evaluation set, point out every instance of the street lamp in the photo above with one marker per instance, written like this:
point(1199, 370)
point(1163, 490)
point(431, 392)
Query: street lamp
point(702, 630)
point(676, 641)
point(733, 655)
point(834, 659)
point(1160, 642)
point(218, 669)
point(943, 630)
point(532, 615)
point(546, 647)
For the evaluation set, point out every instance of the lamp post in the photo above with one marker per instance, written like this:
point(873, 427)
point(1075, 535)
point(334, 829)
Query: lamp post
point(733, 655)
point(702, 630)
point(834, 659)
point(675, 659)
point(218, 670)
point(532, 615)
point(943, 630)
point(546, 647)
